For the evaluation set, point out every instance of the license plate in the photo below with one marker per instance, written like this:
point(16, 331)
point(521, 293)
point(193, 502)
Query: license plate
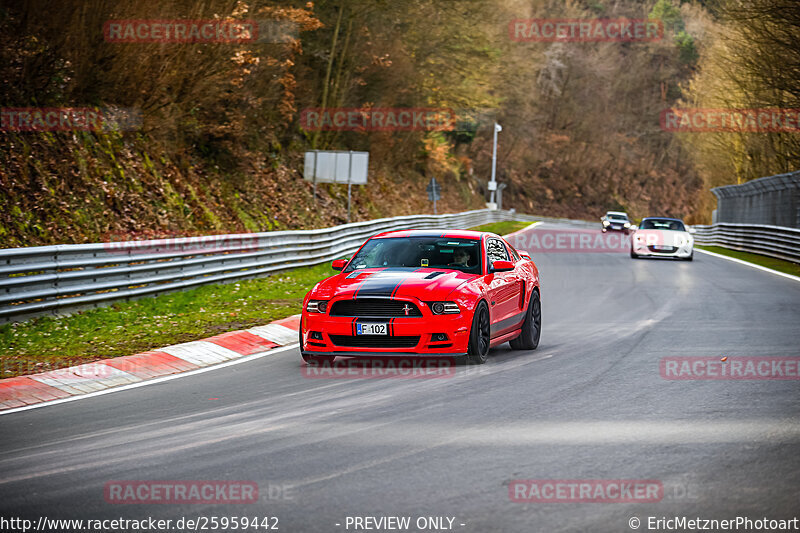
point(372, 329)
point(660, 247)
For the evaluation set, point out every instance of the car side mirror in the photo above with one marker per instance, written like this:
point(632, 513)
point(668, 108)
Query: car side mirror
point(692, 230)
point(339, 264)
point(502, 266)
point(525, 255)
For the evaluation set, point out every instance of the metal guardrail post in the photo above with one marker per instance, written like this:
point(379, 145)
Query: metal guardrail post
point(773, 241)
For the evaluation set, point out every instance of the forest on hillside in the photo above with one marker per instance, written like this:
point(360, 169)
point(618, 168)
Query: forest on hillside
point(218, 143)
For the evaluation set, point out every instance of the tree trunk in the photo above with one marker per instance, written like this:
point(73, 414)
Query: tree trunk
point(328, 72)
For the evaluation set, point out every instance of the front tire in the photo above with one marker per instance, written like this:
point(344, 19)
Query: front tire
point(634, 255)
point(479, 335)
point(532, 327)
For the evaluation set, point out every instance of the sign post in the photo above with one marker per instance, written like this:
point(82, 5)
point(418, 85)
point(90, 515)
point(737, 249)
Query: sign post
point(434, 192)
point(315, 177)
point(493, 182)
point(349, 183)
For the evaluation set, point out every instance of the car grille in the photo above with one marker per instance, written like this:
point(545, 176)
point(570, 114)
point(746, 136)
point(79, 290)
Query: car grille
point(374, 307)
point(375, 341)
point(664, 250)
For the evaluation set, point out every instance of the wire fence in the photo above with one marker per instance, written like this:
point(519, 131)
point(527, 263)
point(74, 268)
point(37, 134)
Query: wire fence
point(774, 241)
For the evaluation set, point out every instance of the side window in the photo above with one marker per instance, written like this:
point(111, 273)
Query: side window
point(495, 251)
point(513, 252)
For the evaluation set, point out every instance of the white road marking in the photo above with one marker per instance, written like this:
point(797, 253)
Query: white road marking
point(751, 265)
point(526, 228)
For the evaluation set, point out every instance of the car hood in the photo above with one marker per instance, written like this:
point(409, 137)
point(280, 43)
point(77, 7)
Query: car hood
point(424, 283)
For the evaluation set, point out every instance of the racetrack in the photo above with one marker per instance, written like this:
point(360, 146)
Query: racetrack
point(589, 403)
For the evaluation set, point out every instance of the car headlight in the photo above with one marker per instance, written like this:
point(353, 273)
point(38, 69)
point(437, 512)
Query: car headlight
point(606, 222)
point(317, 306)
point(444, 308)
point(627, 224)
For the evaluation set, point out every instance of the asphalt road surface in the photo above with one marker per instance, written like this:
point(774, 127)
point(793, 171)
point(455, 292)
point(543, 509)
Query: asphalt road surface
point(588, 404)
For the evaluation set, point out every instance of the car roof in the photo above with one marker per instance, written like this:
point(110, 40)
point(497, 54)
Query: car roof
point(662, 218)
point(454, 233)
point(616, 213)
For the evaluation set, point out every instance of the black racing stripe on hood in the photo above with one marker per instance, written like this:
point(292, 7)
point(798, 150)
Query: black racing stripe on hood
point(381, 284)
point(397, 288)
point(361, 283)
point(377, 287)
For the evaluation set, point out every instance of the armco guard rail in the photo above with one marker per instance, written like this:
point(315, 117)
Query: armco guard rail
point(774, 241)
point(56, 279)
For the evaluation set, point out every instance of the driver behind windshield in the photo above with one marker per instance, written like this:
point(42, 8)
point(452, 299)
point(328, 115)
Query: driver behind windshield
point(460, 258)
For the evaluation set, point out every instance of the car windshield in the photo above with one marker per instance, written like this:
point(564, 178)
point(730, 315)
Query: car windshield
point(618, 217)
point(662, 223)
point(433, 252)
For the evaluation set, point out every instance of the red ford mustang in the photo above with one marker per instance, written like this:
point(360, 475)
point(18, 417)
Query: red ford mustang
point(424, 293)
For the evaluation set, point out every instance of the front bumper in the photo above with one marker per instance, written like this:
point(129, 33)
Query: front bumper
point(382, 354)
point(614, 227)
point(677, 252)
point(408, 336)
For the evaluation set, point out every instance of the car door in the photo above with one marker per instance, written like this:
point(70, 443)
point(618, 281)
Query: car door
point(504, 289)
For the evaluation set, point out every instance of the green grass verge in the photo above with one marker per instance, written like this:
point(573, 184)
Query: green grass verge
point(503, 228)
point(133, 327)
point(762, 260)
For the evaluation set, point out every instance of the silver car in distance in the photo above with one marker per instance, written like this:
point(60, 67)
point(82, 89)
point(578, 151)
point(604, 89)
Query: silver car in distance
point(662, 237)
